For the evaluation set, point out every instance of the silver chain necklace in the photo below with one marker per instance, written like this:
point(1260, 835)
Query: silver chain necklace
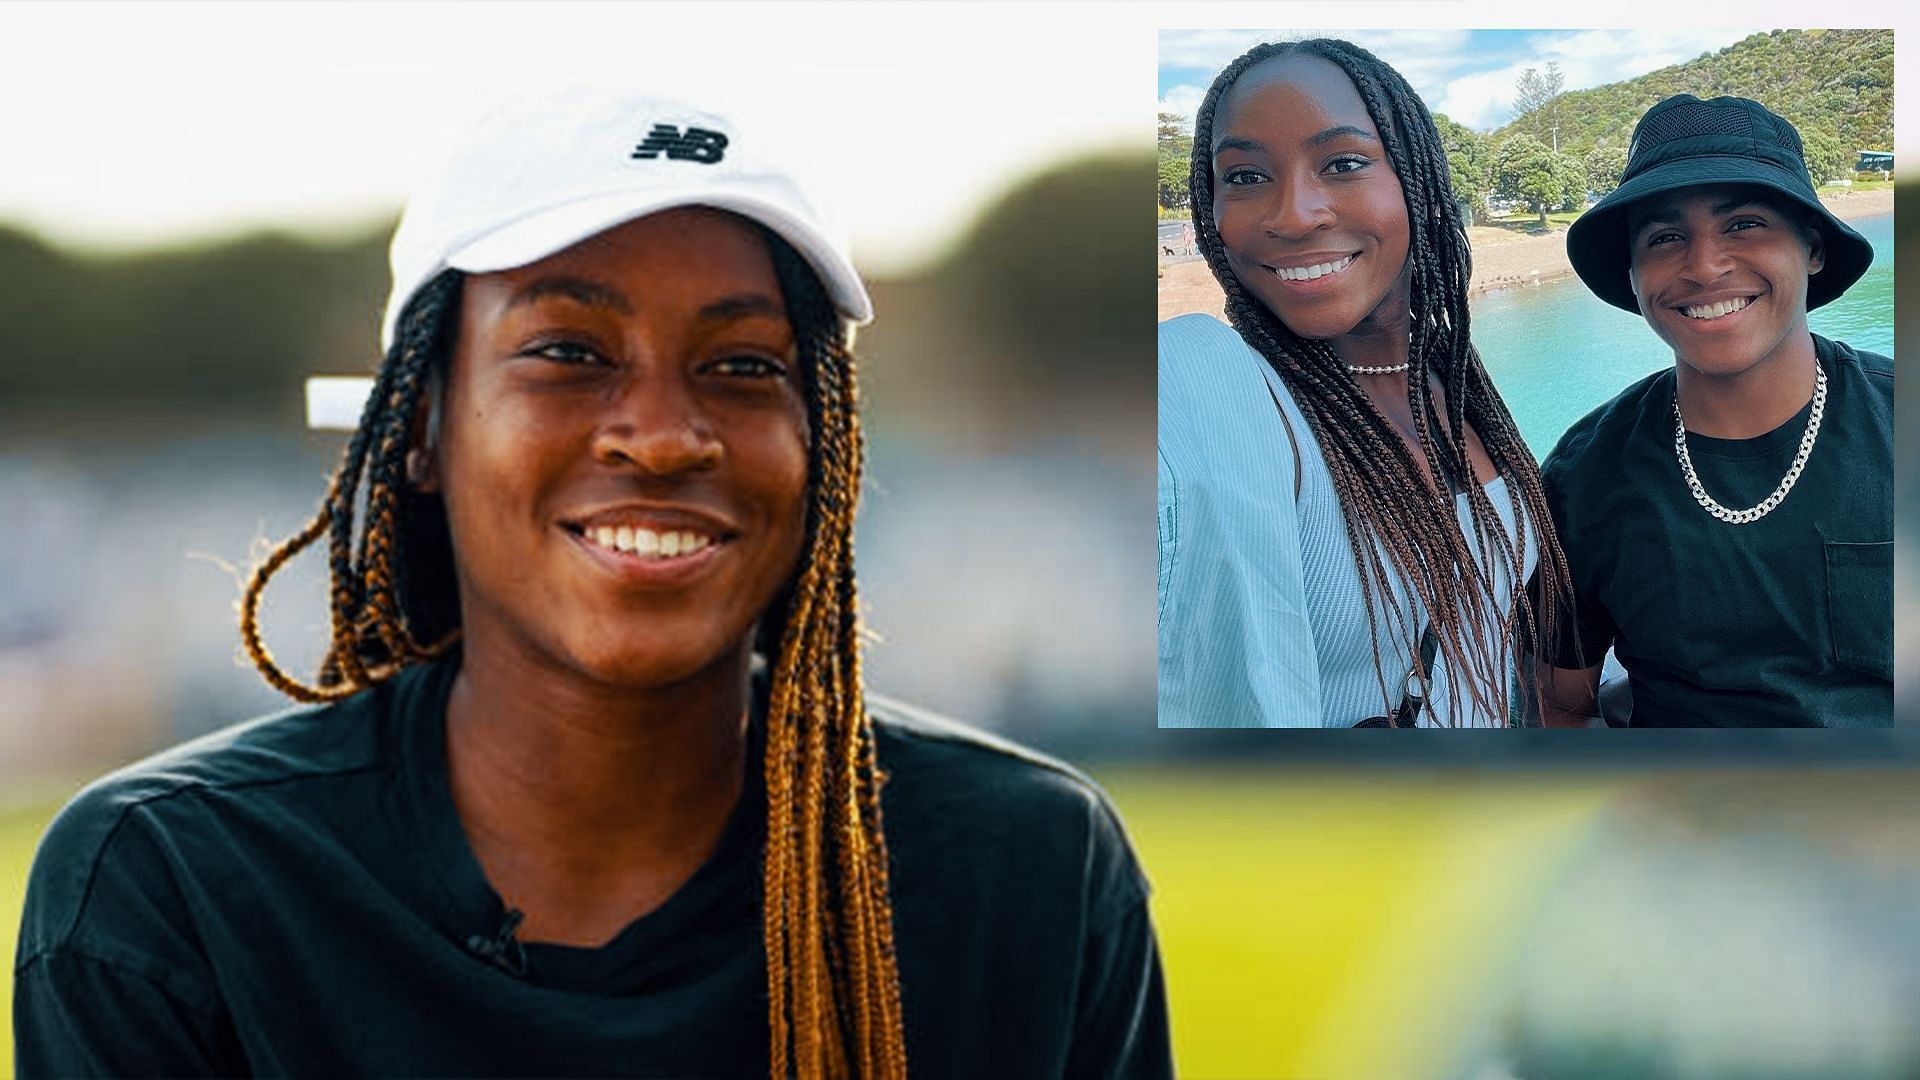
point(1766, 505)
point(1358, 369)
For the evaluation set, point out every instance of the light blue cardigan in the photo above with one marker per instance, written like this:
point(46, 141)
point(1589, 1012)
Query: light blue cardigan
point(1261, 618)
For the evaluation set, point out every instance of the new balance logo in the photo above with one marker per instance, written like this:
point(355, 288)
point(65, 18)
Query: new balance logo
point(694, 144)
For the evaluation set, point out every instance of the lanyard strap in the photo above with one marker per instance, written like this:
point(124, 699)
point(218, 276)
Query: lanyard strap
point(1408, 712)
point(1410, 699)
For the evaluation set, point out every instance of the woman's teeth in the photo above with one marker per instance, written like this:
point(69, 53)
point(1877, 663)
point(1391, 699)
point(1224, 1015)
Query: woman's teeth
point(1714, 311)
point(646, 543)
point(1308, 273)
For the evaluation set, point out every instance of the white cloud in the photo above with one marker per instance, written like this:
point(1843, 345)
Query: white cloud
point(1597, 57)
point(1481, 100)
point(1484, 99)
point(1210, 50)
point(1183, 100)
point(1422, 56)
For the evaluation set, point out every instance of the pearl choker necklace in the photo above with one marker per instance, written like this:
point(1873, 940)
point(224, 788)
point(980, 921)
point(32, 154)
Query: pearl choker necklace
point(1766, 505)
point(1358, 369)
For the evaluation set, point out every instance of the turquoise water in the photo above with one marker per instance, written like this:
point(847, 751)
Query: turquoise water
point(1556, 351)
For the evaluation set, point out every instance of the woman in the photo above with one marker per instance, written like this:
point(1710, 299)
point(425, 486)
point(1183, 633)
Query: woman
point(1348, 516)
point(556, 815)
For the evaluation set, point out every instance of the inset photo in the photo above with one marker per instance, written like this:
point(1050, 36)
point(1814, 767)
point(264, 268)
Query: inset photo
point(1525, 378)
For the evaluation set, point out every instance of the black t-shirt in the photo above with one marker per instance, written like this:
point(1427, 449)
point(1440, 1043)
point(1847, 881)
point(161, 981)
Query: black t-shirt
point(1784, 621)
point(296, 896)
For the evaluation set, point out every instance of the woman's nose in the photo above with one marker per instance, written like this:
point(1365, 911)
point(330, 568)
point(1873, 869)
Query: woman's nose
point(1297, 209)
point(657, 424)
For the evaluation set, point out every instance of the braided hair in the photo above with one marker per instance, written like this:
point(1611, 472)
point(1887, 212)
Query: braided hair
point(833, 984)
point(1395, 520)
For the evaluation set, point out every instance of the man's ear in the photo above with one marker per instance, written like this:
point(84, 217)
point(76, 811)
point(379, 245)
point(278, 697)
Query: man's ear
point(1816, 250)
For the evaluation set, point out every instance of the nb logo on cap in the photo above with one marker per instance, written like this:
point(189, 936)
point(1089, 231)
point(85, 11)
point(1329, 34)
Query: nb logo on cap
point(694, 144)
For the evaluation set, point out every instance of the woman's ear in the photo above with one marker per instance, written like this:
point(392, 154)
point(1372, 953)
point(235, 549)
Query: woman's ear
point(421, 474)
point(423, 467)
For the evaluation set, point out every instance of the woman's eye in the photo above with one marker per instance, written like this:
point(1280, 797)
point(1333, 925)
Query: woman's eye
point(748, 366)
point(564, 352)
point(1241, 177)
point(1350, 163)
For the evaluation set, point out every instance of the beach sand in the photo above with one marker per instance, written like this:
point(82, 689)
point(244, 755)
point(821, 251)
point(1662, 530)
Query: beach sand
point(1502, 259)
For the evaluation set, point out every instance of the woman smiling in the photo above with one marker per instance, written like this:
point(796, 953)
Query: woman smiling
point(1348, 516)
point(594, 787)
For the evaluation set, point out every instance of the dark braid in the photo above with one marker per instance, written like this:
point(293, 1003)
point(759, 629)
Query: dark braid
point(373, 636)
point(833, 983)
point(1397, 522)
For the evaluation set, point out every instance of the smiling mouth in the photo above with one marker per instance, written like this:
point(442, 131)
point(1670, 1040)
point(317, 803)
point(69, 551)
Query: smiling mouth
point(1709, 312)
point(646, 544)
point(1314, 272)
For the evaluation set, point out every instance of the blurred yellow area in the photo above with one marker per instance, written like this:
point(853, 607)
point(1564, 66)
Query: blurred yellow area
point(1344, 924)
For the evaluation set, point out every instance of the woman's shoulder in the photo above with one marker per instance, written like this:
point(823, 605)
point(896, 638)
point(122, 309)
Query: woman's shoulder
point(292, 744)
point(1197, 331)
point(914, 742)
point(955, 788)
point(133, 830)
point(1198, 352)
point(1217, 396)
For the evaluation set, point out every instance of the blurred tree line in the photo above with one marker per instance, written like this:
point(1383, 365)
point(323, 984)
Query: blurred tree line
point(229, 327)
point(1044, 300)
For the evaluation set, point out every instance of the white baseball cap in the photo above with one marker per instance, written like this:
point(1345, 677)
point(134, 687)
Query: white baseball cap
point(546, 173)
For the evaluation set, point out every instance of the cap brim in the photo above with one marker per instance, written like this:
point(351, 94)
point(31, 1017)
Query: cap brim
point(1597, 242)
point(554, 229)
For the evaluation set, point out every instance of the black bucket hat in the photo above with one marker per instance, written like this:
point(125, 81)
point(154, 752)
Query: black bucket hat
point(1685, 142)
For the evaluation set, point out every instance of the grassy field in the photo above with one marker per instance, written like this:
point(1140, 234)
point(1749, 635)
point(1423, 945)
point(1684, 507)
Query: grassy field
point(1310, 924)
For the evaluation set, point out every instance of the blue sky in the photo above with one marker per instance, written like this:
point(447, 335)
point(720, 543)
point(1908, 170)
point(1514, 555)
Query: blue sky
point(1466, 74)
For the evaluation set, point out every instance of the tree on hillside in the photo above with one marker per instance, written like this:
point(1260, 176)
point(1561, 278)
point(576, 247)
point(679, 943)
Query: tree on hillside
point(1537, 97)
point(1839, 80)
point(1825, 155)
point(1469, 163)
point(1604, 165)
point(1527, 170)
point(1176, 161)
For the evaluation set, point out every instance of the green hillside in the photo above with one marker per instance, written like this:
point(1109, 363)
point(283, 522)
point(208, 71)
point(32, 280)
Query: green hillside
point(1839, 82)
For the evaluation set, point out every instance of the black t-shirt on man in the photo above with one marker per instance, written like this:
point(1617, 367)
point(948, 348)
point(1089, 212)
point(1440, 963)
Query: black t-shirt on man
point(296, 896)
point(1786, 621)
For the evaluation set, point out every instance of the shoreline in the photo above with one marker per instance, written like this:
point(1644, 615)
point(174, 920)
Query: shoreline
point(1501, 259)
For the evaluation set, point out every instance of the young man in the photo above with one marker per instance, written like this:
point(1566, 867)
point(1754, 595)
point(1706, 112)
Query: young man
point(1728, 523)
